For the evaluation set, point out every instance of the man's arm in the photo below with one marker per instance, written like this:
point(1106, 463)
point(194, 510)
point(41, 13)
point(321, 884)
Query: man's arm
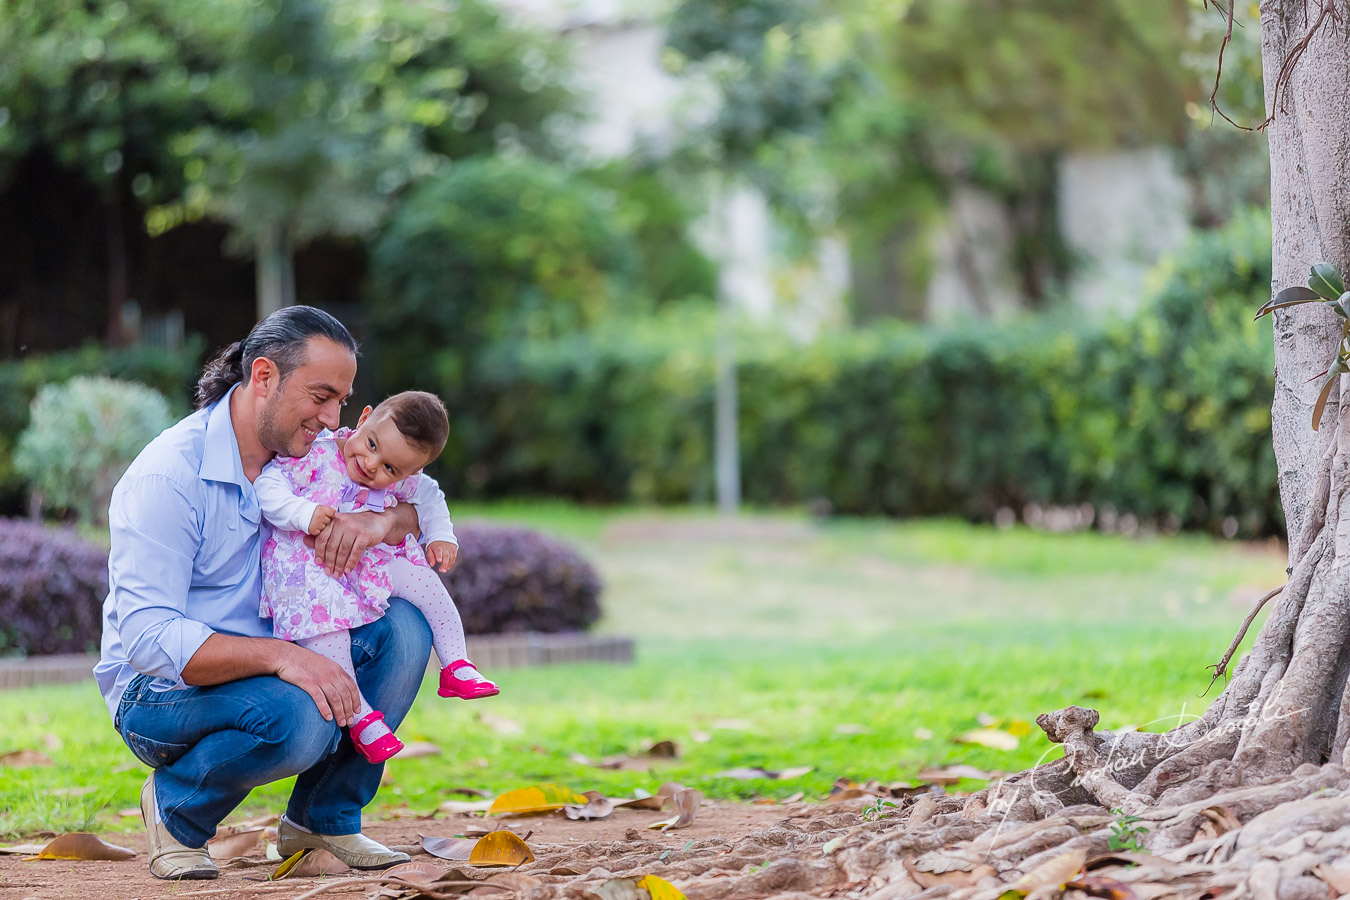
point(340, 546)
point(155, 539)
point(227, 657)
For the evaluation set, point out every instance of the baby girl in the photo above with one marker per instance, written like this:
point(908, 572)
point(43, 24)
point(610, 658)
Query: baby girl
point(372, 467)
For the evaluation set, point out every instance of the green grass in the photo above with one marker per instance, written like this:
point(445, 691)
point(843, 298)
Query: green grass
point(755, 644)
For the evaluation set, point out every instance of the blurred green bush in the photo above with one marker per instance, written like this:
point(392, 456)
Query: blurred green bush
point(82, 437)
point(1165, 416)
point(171, 372)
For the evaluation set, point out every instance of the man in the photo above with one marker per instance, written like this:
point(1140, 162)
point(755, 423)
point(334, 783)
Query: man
point(195, 683)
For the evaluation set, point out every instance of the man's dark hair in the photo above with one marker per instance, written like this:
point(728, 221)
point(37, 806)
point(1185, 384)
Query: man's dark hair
point(281, 337)
point(421, 419)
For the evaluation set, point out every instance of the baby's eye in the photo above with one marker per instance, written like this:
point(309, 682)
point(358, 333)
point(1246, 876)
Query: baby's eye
point(388, 468)
point(370, 442)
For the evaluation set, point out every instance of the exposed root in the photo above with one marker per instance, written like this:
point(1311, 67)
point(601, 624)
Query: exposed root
point(1072, 727)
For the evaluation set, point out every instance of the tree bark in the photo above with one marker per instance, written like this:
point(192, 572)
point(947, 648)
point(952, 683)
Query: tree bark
point(275, 272)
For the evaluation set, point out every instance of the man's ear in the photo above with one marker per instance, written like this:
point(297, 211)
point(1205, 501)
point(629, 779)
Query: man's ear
point(365, 414)
point(263, 377)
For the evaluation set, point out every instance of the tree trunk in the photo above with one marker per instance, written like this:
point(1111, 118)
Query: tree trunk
point(115, 234)
point(275, 272)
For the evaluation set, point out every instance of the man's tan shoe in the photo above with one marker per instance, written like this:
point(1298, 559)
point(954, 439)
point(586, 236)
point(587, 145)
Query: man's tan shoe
point(168, 858)
point(356, 850)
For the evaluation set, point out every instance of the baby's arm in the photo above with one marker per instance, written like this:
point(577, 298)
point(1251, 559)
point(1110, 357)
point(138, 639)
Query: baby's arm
point(285, 510)
point(438, 532)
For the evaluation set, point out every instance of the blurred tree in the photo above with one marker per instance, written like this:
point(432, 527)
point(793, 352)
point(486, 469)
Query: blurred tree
point(101, 87)
point(286, 119)
point(779, 68)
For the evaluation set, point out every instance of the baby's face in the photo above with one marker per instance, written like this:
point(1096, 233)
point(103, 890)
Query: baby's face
point(378, 454)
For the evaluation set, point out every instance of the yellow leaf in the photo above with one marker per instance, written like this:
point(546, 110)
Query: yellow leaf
point(989, 737)
point(500, 848)
point(536, 798)
point(1019, 728)
point(289, 865)
point(1052, 872)
point(660, 889)
point(82, 845)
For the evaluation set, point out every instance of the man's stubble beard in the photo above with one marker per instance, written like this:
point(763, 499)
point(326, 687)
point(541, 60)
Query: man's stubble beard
point(272, 435)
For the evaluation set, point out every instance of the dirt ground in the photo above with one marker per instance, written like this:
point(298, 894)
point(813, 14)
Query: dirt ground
point(565, 850)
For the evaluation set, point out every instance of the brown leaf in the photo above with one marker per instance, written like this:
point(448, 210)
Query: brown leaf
point(953, 774)
point(597, 807)
point(318, 863)
point(647, 801)
point(955, 878)
point(1052, 872)
point(454, 849)
point(745, 773)
point(415, 749)
point(663, 750)
point(23, 759)
point(469, 792)
point(22, 849)
point(453, 807)
point(235, 843)
point(82, 845)
point(517, 882)
point(1218, 820)
point(500, 848)
point(1102, 886)
point(686, 807)
point(73, 791)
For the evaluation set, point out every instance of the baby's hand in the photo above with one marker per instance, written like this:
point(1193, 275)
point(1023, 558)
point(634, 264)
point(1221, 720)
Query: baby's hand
point(321, 519)
point(442, 555)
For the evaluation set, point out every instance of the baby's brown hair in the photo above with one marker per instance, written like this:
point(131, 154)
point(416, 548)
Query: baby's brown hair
point(421, 419)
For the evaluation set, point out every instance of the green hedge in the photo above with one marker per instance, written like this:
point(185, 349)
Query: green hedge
point(172, 373)
point(1165, 416)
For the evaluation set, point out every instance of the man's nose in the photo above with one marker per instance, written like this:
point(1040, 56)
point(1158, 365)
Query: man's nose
point(330, 414)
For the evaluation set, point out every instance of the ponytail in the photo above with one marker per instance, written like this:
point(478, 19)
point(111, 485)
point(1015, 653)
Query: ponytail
point(280, 337)
point(221, 374)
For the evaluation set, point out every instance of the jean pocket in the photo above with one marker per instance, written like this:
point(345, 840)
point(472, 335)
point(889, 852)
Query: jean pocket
point(154, 753)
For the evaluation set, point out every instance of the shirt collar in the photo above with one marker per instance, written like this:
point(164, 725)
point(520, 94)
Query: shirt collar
point(220, 456)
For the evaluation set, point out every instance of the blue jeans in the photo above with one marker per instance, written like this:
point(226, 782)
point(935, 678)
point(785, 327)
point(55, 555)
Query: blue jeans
point(211, 745)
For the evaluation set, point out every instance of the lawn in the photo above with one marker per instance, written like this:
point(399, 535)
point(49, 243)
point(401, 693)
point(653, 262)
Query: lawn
point(860, 648)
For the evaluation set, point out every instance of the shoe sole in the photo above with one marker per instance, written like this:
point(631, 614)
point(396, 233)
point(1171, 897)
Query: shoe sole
point(194, 875)
point(462, 697)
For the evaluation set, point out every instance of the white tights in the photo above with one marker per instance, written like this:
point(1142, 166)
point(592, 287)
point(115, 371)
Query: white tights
point(423, 588)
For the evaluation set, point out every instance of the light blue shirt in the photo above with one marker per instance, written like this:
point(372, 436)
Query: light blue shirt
point(185, 558)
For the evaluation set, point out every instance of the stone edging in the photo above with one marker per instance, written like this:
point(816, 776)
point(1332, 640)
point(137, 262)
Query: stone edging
point(491, 651)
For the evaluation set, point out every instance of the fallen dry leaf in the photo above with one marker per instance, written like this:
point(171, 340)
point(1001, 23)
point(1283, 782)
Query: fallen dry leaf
point(597, 806)
point(535, 798)
point(82, 845)
point(648, 886)
point(992, 738)
point(953, 774)
point(659, 888)
point(663, 750)
point(516, 882)
point(470, 792)
point(923, 734)
point(129, 812)
point(986, 720)
point(1218, 820)
point(500, 848)
point(793, 798)
point(849, 728)
point(500, 724)
point(314, 864)
point(686, 807)
point(452, 807)
point(236, 843)
point(22, 849)
point(453, 849)
point(1052, 872)
point(23, 759)
point(1102, 886)
point(416, 749)
point(646, 801)
point(745, 773)
point(954, 878)
point(700, 737)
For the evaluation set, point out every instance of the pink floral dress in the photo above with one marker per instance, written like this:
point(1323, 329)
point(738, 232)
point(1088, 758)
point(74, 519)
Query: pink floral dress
point(300, 597)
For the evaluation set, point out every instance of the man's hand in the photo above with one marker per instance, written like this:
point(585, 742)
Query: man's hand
point(328, 685)
point(442, 555)
point(338, 549)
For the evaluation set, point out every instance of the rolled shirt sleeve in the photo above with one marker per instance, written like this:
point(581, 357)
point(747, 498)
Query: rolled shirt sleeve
point(155, 535)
